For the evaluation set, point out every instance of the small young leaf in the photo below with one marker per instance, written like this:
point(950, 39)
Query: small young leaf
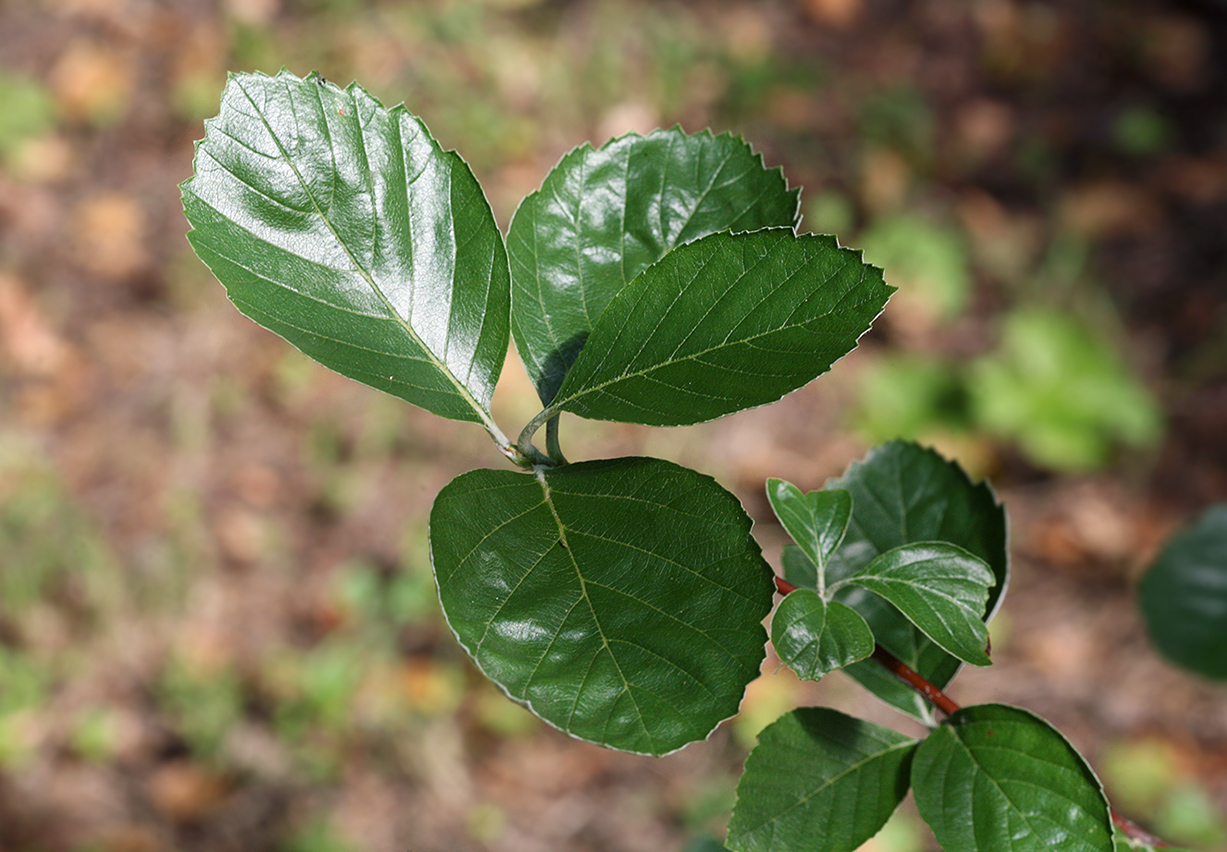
point(903, 493)
point(1183, 596)
point(621, 600)
point(821, 781)
point(346, 229)
point(814, 637)
point(999, 779)
point(725, 323)
point(939, 587)
point(816, 521)
point(602, 216)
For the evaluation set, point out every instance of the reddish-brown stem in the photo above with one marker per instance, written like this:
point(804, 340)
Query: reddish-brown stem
point(944, 703)
point(913, 679)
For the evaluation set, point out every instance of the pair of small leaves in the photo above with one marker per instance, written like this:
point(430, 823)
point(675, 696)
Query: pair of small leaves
point(991, 779)
point(939, 587)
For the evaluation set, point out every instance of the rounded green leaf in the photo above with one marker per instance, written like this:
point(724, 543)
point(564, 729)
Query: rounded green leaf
point(1183, 596)
point(820, 781)
point(813, 637)
point(939, 587)
point(999, 779)
point(343, 227)
point(725, 323)
point(903, 493)
point(621, 600)
point(603, 215)
point(816, 521)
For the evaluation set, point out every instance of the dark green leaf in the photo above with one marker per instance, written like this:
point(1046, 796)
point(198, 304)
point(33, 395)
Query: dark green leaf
point(346, 229)
point(602, 216)
point(813, 637)
point(727, 322)
point(819, 781)
point(816, 521)
point(903, 493)
point(1183, 596)
point(621, 600)
point(798, 568)
point(999, 779)
point(939, 587)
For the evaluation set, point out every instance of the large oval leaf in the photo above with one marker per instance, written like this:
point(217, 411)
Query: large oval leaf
point(602, 216)
point(346, 229)
point(621, 600)
point(901, 494)
point(819, 781)
point(725, 323)
point(999, 779)
point(1184, 596)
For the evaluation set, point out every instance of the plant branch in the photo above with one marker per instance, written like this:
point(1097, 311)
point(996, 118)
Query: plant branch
point(948, 706)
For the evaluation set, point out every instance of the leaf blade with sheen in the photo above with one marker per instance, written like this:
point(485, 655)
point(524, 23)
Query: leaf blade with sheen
point(621, 600)
point(816, 521)
point(941, 588)
point(819, 780)
point(603, 215)
point(814, 637)
point(995, 778)
point(725, 323)
point(344, 227)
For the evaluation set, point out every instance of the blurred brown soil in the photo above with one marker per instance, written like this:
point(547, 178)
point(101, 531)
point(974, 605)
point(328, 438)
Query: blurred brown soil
point(229, 482)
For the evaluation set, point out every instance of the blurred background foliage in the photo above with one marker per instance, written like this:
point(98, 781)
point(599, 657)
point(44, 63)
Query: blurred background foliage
point(218, 627)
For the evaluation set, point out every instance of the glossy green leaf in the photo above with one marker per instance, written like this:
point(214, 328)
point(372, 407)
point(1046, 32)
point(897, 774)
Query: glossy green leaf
point(816, 521)
point(901, 494)
point(813, 637)
point(939, 587)
point(999, 779)
point(819, 781)
point(725, 323)
point(602, 216)
point(346, 229)
point(621, 600)
point(1183, 596)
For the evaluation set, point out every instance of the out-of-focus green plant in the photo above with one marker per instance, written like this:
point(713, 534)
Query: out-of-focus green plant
point(928, 262)
point(1061, 392)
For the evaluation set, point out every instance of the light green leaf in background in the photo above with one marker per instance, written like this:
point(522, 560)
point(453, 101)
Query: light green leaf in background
point(995, 778)
point(621, 600)
point(1062, 392)
point(343, 227)
point(1183, 596)
point(816, 521)
point(939, 587)
point(603, 215)
point(813, 637)
point(903, 493)
point(820, 781)
point(722, 324)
